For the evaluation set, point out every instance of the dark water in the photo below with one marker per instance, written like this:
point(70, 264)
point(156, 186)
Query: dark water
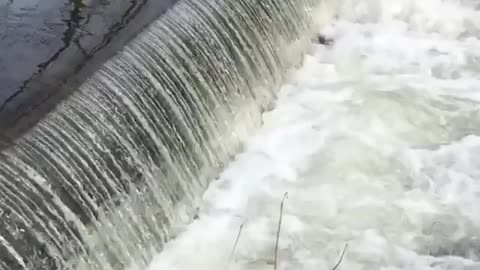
point(47, 47)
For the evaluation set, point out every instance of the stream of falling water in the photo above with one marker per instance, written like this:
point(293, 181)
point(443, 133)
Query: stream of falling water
point(376, 139)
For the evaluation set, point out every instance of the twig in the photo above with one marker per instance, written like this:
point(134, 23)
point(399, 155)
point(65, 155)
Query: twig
point(235, 245)
point(278, 231)
point(341, 257)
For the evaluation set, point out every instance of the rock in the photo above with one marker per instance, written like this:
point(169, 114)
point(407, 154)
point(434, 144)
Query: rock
point(321, 39)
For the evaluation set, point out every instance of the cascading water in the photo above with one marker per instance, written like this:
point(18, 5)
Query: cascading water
point(99, 183)
point(376, 139)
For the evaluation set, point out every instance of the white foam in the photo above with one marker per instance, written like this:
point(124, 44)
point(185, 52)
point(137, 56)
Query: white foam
point(377, 142)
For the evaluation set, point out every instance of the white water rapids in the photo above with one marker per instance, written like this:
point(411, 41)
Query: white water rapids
point(376, 139)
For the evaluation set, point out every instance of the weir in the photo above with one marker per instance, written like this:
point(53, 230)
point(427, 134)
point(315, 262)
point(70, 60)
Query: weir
point(101, 180)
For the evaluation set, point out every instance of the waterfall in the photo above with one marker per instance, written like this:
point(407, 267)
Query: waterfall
point(100, 182)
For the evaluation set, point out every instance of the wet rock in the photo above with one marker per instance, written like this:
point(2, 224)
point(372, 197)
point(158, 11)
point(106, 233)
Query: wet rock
point(321, 39)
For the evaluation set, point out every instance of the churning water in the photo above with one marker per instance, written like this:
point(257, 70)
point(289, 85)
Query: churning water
point(376, 139)
point(102, 181)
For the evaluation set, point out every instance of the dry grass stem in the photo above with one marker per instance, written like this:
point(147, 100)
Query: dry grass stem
point(341, 257)
point(275, 263)
point(230, 258)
